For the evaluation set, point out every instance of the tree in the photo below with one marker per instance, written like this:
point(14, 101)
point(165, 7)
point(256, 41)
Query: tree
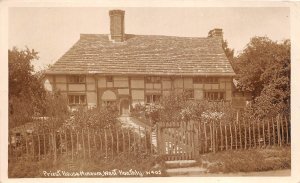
point(264, 70)
point(26, 91)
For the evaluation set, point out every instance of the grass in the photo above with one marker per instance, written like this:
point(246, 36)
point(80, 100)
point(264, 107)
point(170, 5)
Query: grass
point(251, 160)
point(125, 163)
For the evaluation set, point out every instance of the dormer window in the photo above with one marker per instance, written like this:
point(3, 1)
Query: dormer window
point(76, 79)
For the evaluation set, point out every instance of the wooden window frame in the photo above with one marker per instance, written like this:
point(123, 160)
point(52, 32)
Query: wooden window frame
point(152, 98)
point(215, 95)
point(77, 99)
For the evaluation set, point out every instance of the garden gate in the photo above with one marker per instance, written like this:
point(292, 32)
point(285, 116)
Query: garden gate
point(177, 141)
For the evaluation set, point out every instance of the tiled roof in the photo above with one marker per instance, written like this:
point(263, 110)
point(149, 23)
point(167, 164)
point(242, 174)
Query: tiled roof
point(144, 55)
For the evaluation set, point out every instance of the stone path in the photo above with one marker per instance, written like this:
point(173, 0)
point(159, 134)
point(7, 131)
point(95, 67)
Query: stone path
point(184, 168)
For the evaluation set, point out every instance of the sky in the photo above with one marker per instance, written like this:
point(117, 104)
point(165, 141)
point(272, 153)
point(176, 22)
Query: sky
point(52, 31)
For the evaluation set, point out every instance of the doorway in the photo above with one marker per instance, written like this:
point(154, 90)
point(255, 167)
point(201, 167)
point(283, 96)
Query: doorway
point(124, 107)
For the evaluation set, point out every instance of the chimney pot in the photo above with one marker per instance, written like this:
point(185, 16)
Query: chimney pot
point(117, 25)
point(217, 32)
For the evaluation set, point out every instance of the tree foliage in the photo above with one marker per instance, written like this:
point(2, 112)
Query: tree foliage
point(24, 85)
point(264, 70)
point(27, 96)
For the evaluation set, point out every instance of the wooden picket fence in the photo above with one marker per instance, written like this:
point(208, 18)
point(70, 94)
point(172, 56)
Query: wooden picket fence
point(174, 141)
point(84, 144)
point(186, 140)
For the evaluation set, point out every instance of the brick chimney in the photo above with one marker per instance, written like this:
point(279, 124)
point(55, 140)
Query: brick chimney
point(117, 25)
point(216, 33)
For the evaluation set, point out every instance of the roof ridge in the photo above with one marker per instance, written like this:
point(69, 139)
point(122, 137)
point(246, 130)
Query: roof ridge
point(153, 35)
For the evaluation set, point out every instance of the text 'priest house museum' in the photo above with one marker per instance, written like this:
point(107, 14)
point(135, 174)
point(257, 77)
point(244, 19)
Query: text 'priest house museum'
point(127, 69)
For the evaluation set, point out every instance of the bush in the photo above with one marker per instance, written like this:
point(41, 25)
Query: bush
point(104, 117)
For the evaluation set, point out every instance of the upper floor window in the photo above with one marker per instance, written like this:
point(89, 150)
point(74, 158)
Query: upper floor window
point(76, 79)
point(207, 80)
point(153, 79)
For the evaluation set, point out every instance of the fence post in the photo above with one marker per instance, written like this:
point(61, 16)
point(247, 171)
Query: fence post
point(77, 143)
point(254, 138)
point(278, 130)
point(112, 142)
point(199, 137)
point(39, 144)
point(287, 130)
point(235, 133)
point(205, 136)
point(128, 132)
point(89, 143)
point(249, 128)
point(226, 142)
point(105, 141)
point(231, 136)
point(60, 142)
point(211, 136)
point(245, 129)
point(123, 138)
point(274, 138)
point(66, 140)
point(240, 132)
point(282, 131)
point(101, 142)
point(221, 135)
point(26, 145)
point(269, 132)
point(83, 144)
point(54, 144)
point(44, 143)
point(258, 127)
point(72, 151)
point(264, 137)
point(117, 131)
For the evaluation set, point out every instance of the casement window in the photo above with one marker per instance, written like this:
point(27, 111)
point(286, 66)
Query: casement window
point(77, 99)
point(76, 79)
point(153, 79)
point(214, 96)
point(152, 98)
point(205, 80)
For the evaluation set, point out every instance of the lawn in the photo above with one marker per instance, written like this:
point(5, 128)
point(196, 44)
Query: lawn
point(121, 166)
point(250, 160)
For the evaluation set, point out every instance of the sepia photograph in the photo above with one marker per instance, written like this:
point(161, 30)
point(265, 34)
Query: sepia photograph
point(103, 92)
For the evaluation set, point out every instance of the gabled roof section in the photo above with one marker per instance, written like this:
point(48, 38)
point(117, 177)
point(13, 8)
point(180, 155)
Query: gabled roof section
point(145, 55)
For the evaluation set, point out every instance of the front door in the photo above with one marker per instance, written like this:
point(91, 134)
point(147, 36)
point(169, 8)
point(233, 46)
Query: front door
point(124, 107)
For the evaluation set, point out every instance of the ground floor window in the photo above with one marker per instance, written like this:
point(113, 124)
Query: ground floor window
point(152, 98)
point(77, 99)
point(215, 96)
